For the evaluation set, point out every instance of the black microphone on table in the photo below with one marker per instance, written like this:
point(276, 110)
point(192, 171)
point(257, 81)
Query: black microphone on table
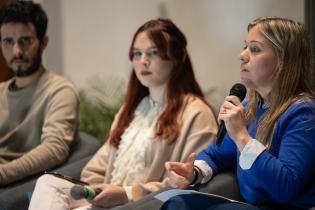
point(78, 192)
point(238, 90)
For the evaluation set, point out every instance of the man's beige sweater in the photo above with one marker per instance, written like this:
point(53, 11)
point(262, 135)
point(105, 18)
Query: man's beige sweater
point(37, 126)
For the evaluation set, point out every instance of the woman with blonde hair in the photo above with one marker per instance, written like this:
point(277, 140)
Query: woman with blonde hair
point(271, 137)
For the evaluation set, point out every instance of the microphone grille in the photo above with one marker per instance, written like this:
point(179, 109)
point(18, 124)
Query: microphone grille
point(77, 192)
point(238, 90)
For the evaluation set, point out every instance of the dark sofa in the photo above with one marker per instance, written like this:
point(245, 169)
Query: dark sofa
point(14, 197)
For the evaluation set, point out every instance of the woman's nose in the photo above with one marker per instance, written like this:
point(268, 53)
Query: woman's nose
point(145, 60)
point(244, 57)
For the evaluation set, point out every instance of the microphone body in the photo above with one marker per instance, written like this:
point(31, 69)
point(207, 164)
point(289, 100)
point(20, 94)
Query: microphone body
point(78, 192)
point(238, 90)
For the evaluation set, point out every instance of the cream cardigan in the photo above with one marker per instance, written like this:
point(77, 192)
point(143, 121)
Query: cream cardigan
point(198, 129)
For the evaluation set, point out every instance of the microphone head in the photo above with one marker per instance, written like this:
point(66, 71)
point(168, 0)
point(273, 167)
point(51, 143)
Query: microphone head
point(238, 90)
point(78, 192)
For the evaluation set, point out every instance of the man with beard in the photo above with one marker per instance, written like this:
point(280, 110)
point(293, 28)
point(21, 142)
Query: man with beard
point(38, 109)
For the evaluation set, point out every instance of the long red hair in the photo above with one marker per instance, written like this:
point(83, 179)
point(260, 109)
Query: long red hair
point(171, 44)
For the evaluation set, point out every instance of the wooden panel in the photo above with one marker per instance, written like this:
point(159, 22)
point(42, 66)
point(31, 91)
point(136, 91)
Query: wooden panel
point(4, 73)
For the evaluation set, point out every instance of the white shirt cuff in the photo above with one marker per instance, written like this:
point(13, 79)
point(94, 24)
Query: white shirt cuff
point(250, 152)
point(128, 190)
point(205, 169)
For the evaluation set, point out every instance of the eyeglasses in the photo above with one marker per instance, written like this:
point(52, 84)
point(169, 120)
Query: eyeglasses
point(151, 53)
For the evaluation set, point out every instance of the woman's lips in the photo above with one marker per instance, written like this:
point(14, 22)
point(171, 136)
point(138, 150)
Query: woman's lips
point(145, 73)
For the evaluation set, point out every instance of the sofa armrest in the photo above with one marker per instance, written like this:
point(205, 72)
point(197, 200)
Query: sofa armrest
point(85, 146)
point(14, 196)
point(224, 184)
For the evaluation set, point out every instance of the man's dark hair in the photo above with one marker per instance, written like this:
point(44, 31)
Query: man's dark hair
point(25, 12)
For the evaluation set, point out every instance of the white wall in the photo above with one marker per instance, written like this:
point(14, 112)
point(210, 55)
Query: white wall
point(91, 38)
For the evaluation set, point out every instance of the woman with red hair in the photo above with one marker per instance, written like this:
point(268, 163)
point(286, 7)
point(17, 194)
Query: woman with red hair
point(164, 118)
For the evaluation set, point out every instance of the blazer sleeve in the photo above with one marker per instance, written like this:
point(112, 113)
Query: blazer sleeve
point(289, 171)
point(198, 129)
point(94, 171)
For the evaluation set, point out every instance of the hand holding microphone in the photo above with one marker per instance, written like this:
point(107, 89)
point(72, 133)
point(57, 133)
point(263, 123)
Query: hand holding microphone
point(102, 195)
point(78, 192)
point(238, 90)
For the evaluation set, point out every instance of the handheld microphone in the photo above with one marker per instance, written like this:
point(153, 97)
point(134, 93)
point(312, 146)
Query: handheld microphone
point(238, 90)
point(78, 192)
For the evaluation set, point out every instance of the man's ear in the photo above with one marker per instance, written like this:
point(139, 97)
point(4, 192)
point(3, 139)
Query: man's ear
point(44, 43)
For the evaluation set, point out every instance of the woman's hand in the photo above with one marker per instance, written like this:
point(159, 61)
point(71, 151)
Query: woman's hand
point(233, 114)
point(181, 174)
point(110, 196)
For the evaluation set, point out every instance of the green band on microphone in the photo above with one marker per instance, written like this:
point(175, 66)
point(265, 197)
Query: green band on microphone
point(90, 193)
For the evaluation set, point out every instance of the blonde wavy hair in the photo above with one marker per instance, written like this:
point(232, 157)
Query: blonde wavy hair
point(293, 77)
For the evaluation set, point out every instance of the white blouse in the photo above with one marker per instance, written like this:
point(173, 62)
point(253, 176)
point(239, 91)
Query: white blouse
point(136, 142)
